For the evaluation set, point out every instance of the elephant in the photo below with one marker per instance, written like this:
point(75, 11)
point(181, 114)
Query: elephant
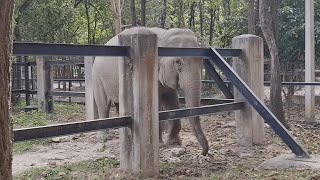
point(175, 73)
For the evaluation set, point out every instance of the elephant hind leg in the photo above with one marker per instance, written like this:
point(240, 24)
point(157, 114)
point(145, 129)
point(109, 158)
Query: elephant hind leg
point(102, 102)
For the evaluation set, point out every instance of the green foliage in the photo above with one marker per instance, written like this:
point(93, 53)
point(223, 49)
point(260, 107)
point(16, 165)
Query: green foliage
point(30, 119)
point(292, 28)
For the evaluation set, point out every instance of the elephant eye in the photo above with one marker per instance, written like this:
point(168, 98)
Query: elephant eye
point(177, 62)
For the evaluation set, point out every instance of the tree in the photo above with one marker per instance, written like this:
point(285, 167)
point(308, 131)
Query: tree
point(6, 15)
point(133, 12)
point(163, 13)
point(269, 13)
point(251, 17)
point(143, 13)
point(116, 9)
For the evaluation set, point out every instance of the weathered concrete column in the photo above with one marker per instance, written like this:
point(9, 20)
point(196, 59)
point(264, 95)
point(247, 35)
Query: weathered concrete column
point(309, 61)
point(91, 109)
point(138, 96)
point(44, 84)
point(249, 66)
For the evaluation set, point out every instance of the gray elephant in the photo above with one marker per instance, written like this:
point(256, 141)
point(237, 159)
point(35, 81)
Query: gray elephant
point(174, 73)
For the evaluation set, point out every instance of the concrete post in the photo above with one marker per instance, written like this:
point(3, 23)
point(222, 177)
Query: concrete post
point(309, 61)
point(44, 84)
point(91, 109)
point(249, 66)
point(138, 96)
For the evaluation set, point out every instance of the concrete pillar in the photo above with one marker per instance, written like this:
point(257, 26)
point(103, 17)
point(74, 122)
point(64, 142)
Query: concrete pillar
point(44, 84)
point(91, 109)
point(309, 61)
point(138, 96)
point(249, 66)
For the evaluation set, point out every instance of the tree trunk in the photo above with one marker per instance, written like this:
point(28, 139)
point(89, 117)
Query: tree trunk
point(116, 9)
point(191, 19)
point(143, 12)
point(180, 11)
point(201, 4)
point(133, 13)
point(251, 17)
point(269, 10)
point(163, 14)
point(212, 19)
point(88, 23)
point(6, 15)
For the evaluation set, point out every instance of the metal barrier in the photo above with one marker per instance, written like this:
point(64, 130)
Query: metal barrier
point(147, 151)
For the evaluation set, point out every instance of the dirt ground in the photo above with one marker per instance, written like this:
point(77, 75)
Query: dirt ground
point(226, 160)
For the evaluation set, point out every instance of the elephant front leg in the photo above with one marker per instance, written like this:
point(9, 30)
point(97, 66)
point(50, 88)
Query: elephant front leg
point(170, 102)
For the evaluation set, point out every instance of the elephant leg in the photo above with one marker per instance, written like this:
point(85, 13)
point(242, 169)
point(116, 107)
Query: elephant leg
point(117, 107)
point(101, 100)
point(162, 125)
point(103, 106)
point(171, 101)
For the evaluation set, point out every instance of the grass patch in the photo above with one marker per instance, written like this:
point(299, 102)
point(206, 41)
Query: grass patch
point(81, 169)
point(64, 112)
point(30, 119)
point(21, 147)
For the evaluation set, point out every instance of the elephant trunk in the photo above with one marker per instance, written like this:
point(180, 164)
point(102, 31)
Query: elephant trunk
point(192, 93)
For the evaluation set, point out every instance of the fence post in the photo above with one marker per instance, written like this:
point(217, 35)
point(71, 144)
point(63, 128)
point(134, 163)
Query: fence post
point(249, 66)
point(138, 96)
point(91, 110)
point(44, 84)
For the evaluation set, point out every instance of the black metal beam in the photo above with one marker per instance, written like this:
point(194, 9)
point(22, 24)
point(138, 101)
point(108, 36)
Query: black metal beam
point(258, 105)
point(62, 63)
point(23, 91)
point(296, 83)
point(69, 80)
point(67, 93)
point(267, 83)
point(209, 101)
point(198, 52)
point(225, 90)
point(24, 134)
point(45, 49)
point(197, 111)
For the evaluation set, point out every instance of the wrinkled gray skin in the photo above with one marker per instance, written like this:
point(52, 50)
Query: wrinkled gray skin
point(174, 73)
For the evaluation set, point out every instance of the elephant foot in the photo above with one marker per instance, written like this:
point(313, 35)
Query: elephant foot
point(161, 145)
point(174, 141)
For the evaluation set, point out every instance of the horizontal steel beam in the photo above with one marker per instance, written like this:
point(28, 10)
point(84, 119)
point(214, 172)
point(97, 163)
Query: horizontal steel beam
point(296, 83)
point(23, 91)
point(67, 93)
point(198, 52)
point(23, 64)
point(267, 83)
point(45, 49)
point(209, 101)
point(69, 80)
point(62, 63)
point(24, 134)
point(197, 111)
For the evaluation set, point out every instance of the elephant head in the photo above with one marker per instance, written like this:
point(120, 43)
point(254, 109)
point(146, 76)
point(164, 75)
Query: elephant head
point(183, 73)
